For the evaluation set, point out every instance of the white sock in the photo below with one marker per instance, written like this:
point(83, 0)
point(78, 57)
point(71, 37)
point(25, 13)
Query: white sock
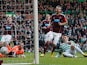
point(79, 50)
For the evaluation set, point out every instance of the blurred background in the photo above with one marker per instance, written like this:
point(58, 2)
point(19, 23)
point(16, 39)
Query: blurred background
point(21, 26)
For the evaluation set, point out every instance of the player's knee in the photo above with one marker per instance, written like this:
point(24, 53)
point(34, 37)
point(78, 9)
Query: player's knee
point(72, 47)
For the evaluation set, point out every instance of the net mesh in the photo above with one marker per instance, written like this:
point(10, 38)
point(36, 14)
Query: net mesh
point(21, 27)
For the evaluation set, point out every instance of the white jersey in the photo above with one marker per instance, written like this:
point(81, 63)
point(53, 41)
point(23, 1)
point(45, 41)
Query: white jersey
point(72, 43)
point(66, 46)
point(6, 38)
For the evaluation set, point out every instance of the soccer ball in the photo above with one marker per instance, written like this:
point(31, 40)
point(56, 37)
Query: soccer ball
point(4, 50)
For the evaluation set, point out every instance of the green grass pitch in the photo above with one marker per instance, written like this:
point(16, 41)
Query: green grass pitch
point(48, 60)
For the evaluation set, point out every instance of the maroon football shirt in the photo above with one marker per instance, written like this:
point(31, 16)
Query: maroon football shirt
point(46, 24)
point(8, 28)
point(55, 26)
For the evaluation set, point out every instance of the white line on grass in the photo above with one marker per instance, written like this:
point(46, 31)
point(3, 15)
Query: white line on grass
point(17, 64)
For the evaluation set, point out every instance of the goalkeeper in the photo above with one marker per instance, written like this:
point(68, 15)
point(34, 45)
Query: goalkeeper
point(17, 51)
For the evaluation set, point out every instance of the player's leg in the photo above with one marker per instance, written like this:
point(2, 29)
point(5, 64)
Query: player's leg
point(11, 54)
point(46, 46)
point(79, 50)
point(66, 54)
point(72, 50)
point(53, 49)
point(70, 53)
point(56, 42)
point(57, 37)
point(48, 40)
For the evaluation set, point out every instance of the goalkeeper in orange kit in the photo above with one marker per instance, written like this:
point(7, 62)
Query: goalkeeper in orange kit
point(17, 50)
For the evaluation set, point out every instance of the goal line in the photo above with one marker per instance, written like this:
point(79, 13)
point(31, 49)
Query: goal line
point(17, 63)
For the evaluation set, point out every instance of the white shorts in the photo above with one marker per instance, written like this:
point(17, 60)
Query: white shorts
point(52, 36)
point(49, 36)
point(56, 37)
point(69, 51)
point(6, 38)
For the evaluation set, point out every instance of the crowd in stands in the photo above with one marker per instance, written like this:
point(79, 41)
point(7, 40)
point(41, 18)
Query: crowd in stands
point(22, 19)
point(76, 13)
point(21, 26)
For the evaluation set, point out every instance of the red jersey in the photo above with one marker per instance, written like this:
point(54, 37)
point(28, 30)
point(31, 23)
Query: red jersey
point(46, 24)
point(8, 28)
point(55, 26)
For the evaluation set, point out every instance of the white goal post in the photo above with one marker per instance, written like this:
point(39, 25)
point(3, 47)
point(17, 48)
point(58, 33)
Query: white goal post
point(35, 9)
point(21, 12)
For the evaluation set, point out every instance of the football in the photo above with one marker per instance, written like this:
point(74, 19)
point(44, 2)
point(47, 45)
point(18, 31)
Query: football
point(4, 50)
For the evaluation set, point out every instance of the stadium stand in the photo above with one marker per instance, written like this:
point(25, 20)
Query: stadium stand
point(21, 12)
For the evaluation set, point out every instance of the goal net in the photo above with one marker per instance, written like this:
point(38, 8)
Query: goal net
point(16, 20)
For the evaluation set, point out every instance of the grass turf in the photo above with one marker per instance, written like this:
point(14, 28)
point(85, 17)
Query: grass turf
point(48, 60)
